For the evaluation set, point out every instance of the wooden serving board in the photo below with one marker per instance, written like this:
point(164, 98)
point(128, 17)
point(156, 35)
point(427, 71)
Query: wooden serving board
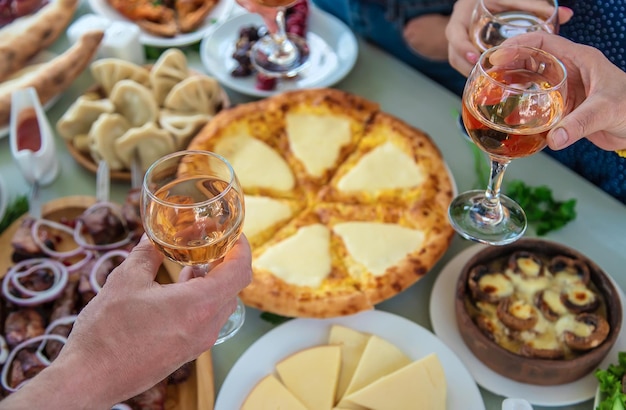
point(198, 392)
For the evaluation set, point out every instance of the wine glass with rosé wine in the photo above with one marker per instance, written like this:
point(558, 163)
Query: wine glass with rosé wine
point(279, 54)
point(192, 208)
point(494, 21)
point(512, 98)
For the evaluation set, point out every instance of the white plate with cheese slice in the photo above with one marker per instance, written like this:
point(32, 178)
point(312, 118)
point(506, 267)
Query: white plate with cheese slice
point(413, 340)
point(443, 318)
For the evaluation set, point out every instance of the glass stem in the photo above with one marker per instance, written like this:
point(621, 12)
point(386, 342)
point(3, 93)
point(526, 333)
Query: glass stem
point(286, 52)
point(492, 206)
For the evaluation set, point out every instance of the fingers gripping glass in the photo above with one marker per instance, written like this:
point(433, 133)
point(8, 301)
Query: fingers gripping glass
point(512, 98)
point(192, 208)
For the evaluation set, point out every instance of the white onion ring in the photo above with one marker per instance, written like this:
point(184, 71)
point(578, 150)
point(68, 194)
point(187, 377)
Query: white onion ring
point(89, 255)
point(58, 270)
point(7, 367)
point(78, 238)
point(4, 350)
point(64, 320)
point(94, 270)
point(56, 225)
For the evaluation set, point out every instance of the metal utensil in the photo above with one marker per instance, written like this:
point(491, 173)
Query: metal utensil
point(103, 182)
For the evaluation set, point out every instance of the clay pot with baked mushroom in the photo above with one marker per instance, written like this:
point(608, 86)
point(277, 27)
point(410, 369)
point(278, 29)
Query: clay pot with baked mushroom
point(488, 286)
point(563, 265)
point(588, 331)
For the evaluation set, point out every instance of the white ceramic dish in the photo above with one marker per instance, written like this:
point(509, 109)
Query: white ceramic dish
point(43, 57)
point(297, 334)
point(443, 319)
point(217, 16)
point(333, 46)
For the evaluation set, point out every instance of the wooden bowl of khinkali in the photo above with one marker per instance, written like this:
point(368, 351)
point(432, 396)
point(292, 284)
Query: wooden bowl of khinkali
point(151, 110)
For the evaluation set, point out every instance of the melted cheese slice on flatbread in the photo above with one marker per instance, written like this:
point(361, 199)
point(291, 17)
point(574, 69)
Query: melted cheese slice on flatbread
point(271, 394)
point(420, 385)
point(263, 213)
point(316, 140)
point(303, 259)
point(385, 167)
point(256, 164)
point(379, 358)
point(352, 345)
point(316, 386)
point(378, 246)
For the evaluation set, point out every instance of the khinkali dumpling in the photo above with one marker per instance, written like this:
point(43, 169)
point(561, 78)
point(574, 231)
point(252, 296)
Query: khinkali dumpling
point(197, 94)
point(182, 126)
point(150, 142)
point(169, 70)
point(102, 136)
point(109, 71)
point(135, 102)
point(81, 114)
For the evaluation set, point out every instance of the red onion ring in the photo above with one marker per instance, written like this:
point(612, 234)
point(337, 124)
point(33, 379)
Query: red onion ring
point(35, 234)
point(94, 270)
point(58, 270)
point(78, 238)
point(89, 255)
point(64, 320)
point(7, 367)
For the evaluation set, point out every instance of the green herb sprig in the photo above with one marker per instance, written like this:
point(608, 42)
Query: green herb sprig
point(15, 209)
point(542, 210)
point(274, 318)
point(610, 384)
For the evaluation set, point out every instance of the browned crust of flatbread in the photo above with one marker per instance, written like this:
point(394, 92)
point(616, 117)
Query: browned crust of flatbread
point(414, 142)
point(425, 208)
point(23, 39)
point(416, 264)
point(337, 296)
point(57, 75)
point(324, 102)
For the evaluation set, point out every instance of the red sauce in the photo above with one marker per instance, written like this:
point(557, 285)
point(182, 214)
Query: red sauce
point(28, 133)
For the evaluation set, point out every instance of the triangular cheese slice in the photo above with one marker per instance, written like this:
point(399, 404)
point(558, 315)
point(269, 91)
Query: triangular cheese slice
point(270, 394)
point(263, 213)
point(303, 259)
point(316, 140)
point(352, 346)
point(256, 164)
point(379, 358)
point(378, 246)
point(420, 385)
point(311, 375)
point(385, 167)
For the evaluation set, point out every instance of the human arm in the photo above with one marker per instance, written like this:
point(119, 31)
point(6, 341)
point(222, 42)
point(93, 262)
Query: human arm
point(595, 99)
point(136, 332)
point(426, 36)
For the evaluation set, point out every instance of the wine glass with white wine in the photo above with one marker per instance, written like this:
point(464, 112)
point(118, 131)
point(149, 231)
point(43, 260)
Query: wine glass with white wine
point(279, 54)
point(494, 21)
point(513, 97)
point(192, 209)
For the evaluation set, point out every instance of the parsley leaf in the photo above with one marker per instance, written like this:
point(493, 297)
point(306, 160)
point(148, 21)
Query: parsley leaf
point(14, 210)
point(542, 210)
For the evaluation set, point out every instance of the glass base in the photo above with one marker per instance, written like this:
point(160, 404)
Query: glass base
point(275, 60)
point(233, 324)
point(473, 220)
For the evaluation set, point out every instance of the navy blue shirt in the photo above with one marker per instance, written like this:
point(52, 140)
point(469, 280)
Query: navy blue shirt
point(600, 24)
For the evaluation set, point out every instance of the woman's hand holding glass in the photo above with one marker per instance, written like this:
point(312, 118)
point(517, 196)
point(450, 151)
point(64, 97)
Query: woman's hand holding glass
point(513, 97)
